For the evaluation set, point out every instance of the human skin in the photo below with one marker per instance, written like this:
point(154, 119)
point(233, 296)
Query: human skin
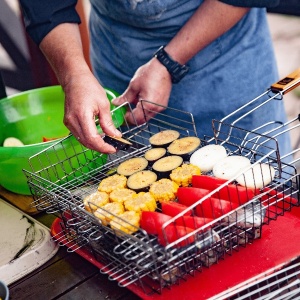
point(86, 98)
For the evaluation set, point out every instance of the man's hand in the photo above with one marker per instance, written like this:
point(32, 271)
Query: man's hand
point(150, 82)
point(85, 100)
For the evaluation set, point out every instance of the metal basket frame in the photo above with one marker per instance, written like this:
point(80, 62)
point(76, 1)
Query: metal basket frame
point(59, 188)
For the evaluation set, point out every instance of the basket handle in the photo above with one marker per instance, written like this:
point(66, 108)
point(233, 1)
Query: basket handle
point(287, 83)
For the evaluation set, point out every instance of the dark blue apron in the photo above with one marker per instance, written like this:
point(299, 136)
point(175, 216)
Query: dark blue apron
point(231, 71)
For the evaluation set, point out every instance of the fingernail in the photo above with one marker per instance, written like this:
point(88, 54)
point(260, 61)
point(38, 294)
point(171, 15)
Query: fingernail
point(117, 133)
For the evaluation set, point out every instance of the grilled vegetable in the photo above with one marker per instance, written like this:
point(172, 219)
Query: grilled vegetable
point(279, 199)
point(164, 166)
point(154, 154)
point(214, 208)
point(95, 200)
point(172, 233)
point(152, 221)
point(141, 181)
point(107, 212)
point(127, 222)
point(190, 195)
point(183, 175)
point(111, 183)
point(230, 166)
point(164, 190)
point(184, 147)
point(207, 182)
point(121, 195)
point(164, 138)
point(132, 165)
point(231, 192)
point(193, 221)
point(141, 202)
point(206, 157)
point(174, 208)
point(258, 176)
point(118, 143)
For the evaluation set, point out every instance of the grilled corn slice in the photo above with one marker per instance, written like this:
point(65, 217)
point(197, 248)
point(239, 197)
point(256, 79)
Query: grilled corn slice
point(111, 183)
point(95, 200)
point(164, 190)
point(121, 195)
point(107, 212)
point(183, 175)
point(141, 202)
point(127, 222)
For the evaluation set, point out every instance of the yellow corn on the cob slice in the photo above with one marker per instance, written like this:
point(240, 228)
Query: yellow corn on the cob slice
point(95, 200)
point(183, 175)
point(127, 222)
point(141, 202)
point(121, 195)
point(109, 211)
point(111, 183)
point(164, 190)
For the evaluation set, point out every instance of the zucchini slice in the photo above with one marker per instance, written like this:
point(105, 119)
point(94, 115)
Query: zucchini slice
point(141, 181)
point(184, 147)
point(164, 166)
point(154, 154)
point(164, 138)
point(132, 165)
point(117, 143)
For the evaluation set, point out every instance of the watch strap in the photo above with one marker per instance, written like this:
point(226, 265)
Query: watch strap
point(176, 70)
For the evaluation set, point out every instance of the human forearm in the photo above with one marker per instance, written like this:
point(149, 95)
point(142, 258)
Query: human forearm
point(211, 20)
point(63, 49)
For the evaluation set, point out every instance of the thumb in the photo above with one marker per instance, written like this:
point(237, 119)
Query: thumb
point(129, 96)
point(119, 100)
point(107, 125)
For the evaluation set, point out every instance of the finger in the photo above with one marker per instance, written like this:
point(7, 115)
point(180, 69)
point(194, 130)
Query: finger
point(142, 113)
point(130, 96)
point(88, 136)
point(107, 125)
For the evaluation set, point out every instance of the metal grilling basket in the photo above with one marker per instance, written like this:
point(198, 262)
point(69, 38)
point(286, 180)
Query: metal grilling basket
point(60, 182)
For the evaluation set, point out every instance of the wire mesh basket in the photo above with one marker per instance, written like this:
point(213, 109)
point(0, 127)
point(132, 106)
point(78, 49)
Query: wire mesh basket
point(281, 284)
point(60, 182)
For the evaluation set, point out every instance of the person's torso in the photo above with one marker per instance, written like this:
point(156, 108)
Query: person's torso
point(233, 69)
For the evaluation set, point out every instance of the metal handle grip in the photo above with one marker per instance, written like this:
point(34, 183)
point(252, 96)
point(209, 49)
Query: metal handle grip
point(287, 83)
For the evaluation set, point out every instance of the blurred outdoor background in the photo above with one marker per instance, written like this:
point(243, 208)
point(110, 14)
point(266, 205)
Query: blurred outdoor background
point(23, 67)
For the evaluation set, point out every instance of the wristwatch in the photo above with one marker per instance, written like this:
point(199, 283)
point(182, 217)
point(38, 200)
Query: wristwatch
point(176, 70)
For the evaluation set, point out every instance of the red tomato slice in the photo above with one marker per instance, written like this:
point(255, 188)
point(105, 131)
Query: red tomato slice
point(152, 221)
point(206, 182)
point(231, 192)
point(192, 222)
point(174, 208)
point(173, 233)
point(189, 195)
point(279, 199)
point(236, 193)
point(214, 208)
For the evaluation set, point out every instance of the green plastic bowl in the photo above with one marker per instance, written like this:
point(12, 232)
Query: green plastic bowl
point(31, 116)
